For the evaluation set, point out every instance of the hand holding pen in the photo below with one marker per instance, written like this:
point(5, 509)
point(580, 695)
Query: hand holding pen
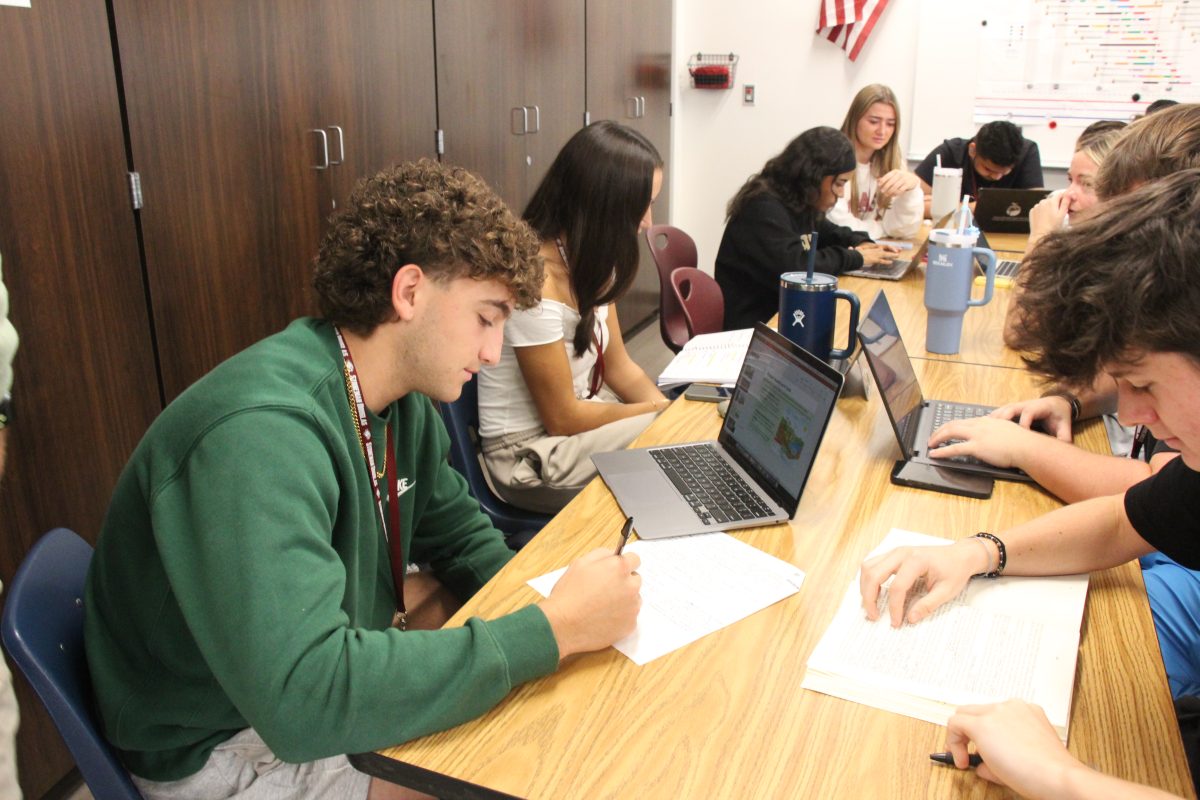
point(1017, 747)
point(596, 601)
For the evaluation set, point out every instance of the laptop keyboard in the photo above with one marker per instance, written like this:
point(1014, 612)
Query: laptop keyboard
point(948, 412)
point(1007, 269)
point(716, 493)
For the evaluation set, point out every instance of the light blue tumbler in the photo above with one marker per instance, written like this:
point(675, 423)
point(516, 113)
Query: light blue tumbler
point(948, 278)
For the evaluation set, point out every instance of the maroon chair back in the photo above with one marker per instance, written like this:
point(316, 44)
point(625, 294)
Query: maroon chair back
point(701, 298)
point(671, 249)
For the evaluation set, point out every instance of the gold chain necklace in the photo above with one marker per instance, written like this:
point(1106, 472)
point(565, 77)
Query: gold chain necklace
point(353, 413)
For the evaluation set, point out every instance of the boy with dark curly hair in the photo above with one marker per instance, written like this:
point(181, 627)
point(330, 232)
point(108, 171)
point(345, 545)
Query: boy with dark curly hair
point(1115, 295)
point(246, 617)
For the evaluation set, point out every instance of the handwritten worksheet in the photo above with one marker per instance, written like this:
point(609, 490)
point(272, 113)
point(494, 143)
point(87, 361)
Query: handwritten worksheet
point(1000, 638)
point(694, 585)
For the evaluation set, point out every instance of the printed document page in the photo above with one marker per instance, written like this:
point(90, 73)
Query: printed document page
point(709, 358)
point(1001, 638)
point(694, 585)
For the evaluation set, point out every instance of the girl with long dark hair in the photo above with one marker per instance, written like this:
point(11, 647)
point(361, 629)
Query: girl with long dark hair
point(565, 387)
point(770, 219)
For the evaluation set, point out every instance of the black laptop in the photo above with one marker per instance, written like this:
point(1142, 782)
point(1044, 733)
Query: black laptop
point(1006, 210)
point(913, 417)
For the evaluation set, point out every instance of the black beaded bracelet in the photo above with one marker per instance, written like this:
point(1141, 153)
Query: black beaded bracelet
point(1003, 555)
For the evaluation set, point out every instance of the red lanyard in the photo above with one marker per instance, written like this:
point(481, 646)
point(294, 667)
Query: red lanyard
point(596, 379)
point(363, 428)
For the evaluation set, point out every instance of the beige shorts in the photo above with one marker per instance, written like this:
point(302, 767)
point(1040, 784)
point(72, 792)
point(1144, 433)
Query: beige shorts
point(245, 768)
point(540, 472)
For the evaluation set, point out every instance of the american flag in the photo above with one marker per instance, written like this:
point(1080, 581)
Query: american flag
point(848, 23)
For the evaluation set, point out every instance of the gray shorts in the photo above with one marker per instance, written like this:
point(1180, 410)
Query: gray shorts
point(245, 768)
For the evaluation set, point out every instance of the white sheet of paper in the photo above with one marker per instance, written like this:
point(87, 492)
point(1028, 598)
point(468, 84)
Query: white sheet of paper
point(694, 585)
point(1012, 637)
point(17, 3)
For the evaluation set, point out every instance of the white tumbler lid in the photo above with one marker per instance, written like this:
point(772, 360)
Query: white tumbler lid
point(950, 237)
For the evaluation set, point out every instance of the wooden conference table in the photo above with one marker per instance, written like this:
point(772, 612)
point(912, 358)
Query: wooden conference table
point(981, 342)
point(725, 717)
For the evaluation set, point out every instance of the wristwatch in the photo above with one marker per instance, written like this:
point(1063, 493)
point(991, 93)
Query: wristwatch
point(6, 413)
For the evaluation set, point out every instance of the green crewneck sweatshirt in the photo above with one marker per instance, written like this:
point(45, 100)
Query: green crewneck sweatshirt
point(241, 578)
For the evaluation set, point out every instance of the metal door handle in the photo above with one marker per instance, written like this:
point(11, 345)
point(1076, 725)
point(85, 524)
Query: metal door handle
point(631, 114)
point(324, 147)
point(524, 121)
point(341, 143)
point(537, 119)
point(641, 107)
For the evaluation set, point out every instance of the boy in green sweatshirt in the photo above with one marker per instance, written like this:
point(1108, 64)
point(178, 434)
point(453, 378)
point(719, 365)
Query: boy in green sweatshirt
point(245, 607)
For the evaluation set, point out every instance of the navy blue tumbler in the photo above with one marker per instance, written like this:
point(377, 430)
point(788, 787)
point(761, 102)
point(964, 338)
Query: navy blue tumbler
point(808, 313)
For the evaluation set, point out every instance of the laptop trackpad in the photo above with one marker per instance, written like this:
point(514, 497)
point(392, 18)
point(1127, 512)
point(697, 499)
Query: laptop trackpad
point(651, 499)
point(642, 487)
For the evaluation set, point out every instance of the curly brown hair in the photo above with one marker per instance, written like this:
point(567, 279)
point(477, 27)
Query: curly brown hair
point(1120, 284)
point(442, 218)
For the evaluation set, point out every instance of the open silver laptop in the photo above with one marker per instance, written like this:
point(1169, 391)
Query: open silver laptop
point(900, 267)
point(913, 417)
point(1005, 267)
point(755, 472)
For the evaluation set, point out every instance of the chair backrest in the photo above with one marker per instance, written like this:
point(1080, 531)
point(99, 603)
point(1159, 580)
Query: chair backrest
point(462, 422)
point(701, 298)
point(671, 248)
point(42, 630)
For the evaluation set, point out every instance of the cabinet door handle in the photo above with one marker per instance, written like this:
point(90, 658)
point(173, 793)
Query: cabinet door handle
point(631, 102)
point(641, 107)
point(512, 120)
point(537, 119)
point(341, 144)
point(324, 147)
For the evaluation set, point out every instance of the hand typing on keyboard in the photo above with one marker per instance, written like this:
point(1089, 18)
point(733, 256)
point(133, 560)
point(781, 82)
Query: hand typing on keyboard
point(999, 442)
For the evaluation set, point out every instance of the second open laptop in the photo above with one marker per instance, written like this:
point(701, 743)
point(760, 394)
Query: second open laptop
point(913, 417)
point(755, 472)
point(900, 267)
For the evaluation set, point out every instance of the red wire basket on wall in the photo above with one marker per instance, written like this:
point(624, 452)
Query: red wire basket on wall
point(712, 71)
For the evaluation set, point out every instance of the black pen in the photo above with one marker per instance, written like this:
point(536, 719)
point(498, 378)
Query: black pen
point(625, 534)
point(973, 760)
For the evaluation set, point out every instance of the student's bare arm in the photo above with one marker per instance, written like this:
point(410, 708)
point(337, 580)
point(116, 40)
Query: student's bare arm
point(1021, 751)
point(622, 374)
point(928, 190)
point(1095, 534)
point(548, 376)
point(1069, 472)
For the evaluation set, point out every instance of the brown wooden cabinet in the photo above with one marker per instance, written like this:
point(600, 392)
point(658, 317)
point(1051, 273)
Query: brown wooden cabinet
point(85, 386)
point(629, 80)
point(510, 87)
point(249, 120)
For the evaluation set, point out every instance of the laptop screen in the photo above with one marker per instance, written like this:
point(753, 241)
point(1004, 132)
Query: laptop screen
point(777, 417)
point(880, 337)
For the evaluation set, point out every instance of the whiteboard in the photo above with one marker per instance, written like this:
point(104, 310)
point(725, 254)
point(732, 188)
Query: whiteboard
point(1050, 66)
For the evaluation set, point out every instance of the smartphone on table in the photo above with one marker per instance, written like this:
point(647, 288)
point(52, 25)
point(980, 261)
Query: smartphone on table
point(707, 393)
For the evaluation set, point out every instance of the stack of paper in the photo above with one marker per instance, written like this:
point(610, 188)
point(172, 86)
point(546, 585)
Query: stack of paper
point(1001, 638)
point(709, 358)
point(694, 585)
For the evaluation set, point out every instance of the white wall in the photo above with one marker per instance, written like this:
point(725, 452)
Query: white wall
point(800, 80)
